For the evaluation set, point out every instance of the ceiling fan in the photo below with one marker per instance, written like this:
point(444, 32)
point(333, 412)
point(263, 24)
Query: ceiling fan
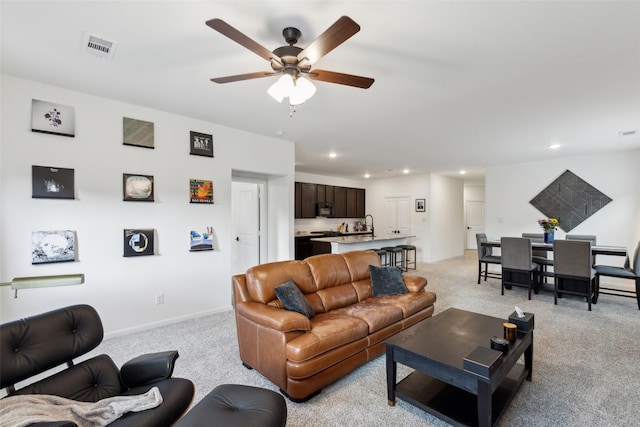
point(293, 63)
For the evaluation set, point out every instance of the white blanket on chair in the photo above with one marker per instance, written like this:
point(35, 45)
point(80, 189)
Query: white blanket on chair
point(22, 410)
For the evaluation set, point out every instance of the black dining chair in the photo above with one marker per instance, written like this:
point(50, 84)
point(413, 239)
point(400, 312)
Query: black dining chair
point(572, 270)
point(540, 256)
point(518, 268)
point(486, 257)
point(631, 272)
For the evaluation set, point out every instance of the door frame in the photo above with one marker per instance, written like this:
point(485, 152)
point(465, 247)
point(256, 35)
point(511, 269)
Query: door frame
point(261, 182)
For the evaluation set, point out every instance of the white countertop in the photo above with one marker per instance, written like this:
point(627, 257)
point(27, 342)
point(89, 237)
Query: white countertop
point(361, 238)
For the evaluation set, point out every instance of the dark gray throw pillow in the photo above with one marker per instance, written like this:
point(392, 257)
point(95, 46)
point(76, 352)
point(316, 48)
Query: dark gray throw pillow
point(293, 300)
point(386, 281)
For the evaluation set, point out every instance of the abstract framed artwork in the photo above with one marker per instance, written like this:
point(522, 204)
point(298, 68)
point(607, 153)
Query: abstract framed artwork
point(138, 242)
point(201, 240)
point(420, 205)
point(52, 183)
point(137, 188)
point(201, 144)
point(53, 246)
point(200, 191)
point(48, 117)
point(137, 132)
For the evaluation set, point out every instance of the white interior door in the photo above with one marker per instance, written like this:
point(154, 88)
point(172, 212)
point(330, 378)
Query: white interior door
point(397, 219)
point(245, 225)
point(475, 222)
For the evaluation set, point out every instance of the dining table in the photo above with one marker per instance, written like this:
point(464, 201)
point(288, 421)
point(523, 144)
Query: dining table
point(540, 246)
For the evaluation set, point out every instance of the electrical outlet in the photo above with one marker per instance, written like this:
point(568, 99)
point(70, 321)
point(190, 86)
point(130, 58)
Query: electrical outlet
point(159, 299)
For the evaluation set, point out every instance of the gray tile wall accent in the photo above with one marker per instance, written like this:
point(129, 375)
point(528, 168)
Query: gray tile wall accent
point(570, 199)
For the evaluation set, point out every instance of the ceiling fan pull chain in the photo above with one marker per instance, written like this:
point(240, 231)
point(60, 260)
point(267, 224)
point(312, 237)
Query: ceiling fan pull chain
point(292, 110)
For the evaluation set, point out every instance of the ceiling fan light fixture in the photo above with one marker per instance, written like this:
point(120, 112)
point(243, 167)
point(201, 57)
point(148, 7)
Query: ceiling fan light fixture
point(302, 90)
point(281, 89)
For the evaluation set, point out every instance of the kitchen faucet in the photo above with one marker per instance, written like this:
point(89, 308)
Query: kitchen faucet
point(365, 222)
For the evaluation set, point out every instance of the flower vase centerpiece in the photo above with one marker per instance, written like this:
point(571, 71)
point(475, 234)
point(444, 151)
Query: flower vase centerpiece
point(549, 225)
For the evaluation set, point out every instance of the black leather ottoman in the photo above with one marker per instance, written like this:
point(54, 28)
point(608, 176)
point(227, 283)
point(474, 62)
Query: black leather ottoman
point(237, 405)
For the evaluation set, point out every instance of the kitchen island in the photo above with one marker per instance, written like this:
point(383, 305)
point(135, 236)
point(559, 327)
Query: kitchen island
point(343, 244)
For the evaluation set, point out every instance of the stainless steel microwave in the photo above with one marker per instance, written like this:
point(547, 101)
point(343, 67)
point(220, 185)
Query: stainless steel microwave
point(324, 209)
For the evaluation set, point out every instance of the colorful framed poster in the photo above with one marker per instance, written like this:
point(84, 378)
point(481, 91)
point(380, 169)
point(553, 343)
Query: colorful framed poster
point(137, 132)
point(201, 240)
point(138, 242)
point(53, 246)
point(48, 117)
point(52, 183)
point(137, 188)
point(201, 144)
point(200, 191)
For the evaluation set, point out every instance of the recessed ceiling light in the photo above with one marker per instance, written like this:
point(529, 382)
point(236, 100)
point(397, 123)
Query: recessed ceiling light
point(332, 154)
point(554, 146)
point(405, 171)
point(366, 175)
point(462, 172)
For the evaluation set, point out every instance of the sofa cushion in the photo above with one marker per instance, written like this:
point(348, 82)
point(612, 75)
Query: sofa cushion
point(376, 315)
point(387, 281)
point(293, 300)
point(328, 331)
point(262, 279)
point(409, 303)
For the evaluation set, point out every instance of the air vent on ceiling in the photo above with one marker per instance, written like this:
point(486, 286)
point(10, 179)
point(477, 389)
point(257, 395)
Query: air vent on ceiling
point(98, 46)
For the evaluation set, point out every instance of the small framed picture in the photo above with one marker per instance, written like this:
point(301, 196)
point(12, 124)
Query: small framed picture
point(53, 246)
point(420, 205)
point(52, 183)
point(138, 242)
point(48, 117)
point(137, 132)
point(201, 240)
point(201, 144)
point(137, 188)
point(200, 191)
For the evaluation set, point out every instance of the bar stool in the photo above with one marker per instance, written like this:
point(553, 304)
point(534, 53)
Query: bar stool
point(406, 249)
point(395, 256)
point(382, 253)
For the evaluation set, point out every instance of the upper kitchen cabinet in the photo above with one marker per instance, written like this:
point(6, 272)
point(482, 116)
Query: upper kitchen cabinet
point(308, 200)
point(360, 206)
point(340, 202)
point(351, 202)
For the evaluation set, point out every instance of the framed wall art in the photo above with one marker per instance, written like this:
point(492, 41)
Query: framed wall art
point(137, 188)
point(52, 183)
point(53, 246)
point(137, 132)
point(138, 242)
point(420, 205)
point(201, 240)
point(201, 144)
point(200, 191)
point(48, 117)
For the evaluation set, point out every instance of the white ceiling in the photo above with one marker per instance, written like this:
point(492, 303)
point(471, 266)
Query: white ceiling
point(458, 85)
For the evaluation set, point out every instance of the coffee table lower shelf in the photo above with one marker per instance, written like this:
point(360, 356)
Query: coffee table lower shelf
point(454, 405)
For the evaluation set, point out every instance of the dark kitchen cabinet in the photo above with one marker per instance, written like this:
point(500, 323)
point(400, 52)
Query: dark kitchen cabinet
point(308, 200)
point(298, 200)
point(320, 193)
point(360, 206)
point(351, 202)
point(329, 194)
point(340, 202)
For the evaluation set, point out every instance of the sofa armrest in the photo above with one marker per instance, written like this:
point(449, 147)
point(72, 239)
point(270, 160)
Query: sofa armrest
point(414, 283)
point(273, 317)
point(148, 368)
point(54, 424)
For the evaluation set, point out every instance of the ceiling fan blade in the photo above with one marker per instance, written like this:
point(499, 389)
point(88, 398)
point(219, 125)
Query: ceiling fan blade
point(248, 76)
point(333, 37)
point(341, 78)
point(227, 30)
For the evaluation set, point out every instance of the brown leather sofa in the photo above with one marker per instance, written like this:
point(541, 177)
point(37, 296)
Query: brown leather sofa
point(302, 355)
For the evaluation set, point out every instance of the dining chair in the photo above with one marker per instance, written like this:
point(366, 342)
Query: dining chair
point(540, 256)
point(518, 268)
point(590, 237)
point(572, 270)
point(626, 272)
point(486, 257)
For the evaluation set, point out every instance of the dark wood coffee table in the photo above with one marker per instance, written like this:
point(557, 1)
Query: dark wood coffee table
point(440, 384)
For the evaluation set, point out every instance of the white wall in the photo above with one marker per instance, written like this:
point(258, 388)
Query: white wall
point(123, 289)
point(510, 188)
point(447, 218)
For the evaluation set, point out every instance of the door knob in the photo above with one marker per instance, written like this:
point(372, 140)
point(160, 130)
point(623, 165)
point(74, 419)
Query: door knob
point(237, 239)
